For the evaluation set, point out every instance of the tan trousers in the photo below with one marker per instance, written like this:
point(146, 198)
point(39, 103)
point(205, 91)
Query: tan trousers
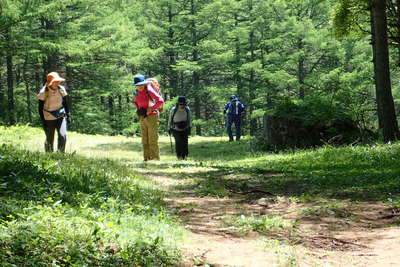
point(149, 131)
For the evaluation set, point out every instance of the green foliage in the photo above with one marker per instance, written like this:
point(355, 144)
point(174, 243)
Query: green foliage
point(68, 210)
point(262, 224)
point(311, 111)
point(262, 51)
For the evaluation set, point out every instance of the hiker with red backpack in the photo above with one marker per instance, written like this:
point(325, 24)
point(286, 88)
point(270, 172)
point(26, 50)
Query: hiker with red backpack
point(180, 125)
point(148, 102)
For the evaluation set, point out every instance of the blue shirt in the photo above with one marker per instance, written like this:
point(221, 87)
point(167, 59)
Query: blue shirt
point(234, 109)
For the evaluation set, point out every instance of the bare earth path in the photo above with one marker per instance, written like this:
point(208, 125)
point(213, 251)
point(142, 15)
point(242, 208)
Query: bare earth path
point(369, 238)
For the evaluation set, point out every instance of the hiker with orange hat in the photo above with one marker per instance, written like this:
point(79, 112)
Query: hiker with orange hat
point(147, 101)
point(54, 111)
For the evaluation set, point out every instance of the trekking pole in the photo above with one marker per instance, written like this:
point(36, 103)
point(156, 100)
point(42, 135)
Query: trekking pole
point(170, 141)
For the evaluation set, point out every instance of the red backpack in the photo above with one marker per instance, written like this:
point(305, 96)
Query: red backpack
point(156, 86)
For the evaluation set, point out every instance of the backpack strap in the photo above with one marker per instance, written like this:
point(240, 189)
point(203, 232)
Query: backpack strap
point(187, 113)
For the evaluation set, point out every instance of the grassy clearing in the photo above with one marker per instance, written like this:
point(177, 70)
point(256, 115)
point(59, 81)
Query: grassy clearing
point(93, 195)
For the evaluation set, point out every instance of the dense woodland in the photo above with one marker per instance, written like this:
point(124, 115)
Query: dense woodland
point(324, 59)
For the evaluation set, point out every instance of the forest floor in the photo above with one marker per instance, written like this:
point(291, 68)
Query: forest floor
point(356, 234)
point(240, 207)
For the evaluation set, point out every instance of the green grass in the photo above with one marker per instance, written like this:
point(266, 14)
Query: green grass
point(92, 206)
point(262, 224)
point(69, 210)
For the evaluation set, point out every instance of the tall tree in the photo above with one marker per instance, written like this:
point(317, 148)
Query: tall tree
point(382, 74)
point(347, 19)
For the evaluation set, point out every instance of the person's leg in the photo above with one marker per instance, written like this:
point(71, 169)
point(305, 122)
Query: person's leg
point(49, 130)
point(229, 127)
point(238, 128)
point(185, 144)
point(145, 138)
point(62, 140)
point(178, 143)
point(154, 150)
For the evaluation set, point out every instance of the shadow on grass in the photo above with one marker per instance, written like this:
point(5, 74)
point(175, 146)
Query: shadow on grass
point(334, 174)
point(38, 177)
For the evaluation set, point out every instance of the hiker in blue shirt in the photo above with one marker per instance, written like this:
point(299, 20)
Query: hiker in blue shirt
point(234, 110)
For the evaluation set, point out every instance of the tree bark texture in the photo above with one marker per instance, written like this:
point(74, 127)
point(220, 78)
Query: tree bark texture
point(10, 82)
point(383, 83)
point(2, 90)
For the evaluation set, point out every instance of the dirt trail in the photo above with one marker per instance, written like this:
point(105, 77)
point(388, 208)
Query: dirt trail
point(366, 241)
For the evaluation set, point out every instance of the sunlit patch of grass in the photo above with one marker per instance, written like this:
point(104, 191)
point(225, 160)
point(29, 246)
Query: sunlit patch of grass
point(262, 224)
point(287, 255)
point(335, 209)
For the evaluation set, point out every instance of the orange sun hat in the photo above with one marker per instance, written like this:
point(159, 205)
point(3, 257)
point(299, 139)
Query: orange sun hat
point(53, 77)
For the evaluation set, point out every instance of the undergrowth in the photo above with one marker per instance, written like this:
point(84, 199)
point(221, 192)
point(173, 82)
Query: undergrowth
point(66, 210)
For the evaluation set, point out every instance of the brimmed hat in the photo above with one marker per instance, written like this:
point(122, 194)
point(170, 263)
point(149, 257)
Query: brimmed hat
point(54, 77)
point(139, 79)
point(233, 98)
point(181, 100)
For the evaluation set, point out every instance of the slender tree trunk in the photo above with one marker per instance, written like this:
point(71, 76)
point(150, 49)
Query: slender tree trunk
point(120, 106)
point(50, 62)
point(173, 76)
point(27, 90)
point(398, 32)
point(2, 90)
point(252, 87)
point(10, 82)
point(383, 83)
point(238, 56)
point(38, 81)
point(373, 42)
point(110, 106)
point(69, 81)
point(195, 76)
point(28, 101)
point(301, 71)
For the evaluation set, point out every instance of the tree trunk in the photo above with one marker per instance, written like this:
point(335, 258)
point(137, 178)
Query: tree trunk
point(10, 82)
point(173, 76)
point(27, 90)
point(195, 76)
point(383, 83)
point(69, 81)
point(301, 71)
point(398, 32)
point(252, 95)
point(373, 41)
point(50, 62)
point(2, 90)
point(28, 101)
point(110, 106)
point(120, 106)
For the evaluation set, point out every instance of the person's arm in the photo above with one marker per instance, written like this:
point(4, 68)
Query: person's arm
point(170, 120)
point(157, 99)
point(134, 100)
point(243, 110)
point(189, 116)
point(226, 107)
point(65, 103)
point(40, 109)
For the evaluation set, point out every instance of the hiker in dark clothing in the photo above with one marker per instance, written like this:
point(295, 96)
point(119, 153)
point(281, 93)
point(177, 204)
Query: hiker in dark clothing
point(54, 111)
point(234, 110)
point(180, 125)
